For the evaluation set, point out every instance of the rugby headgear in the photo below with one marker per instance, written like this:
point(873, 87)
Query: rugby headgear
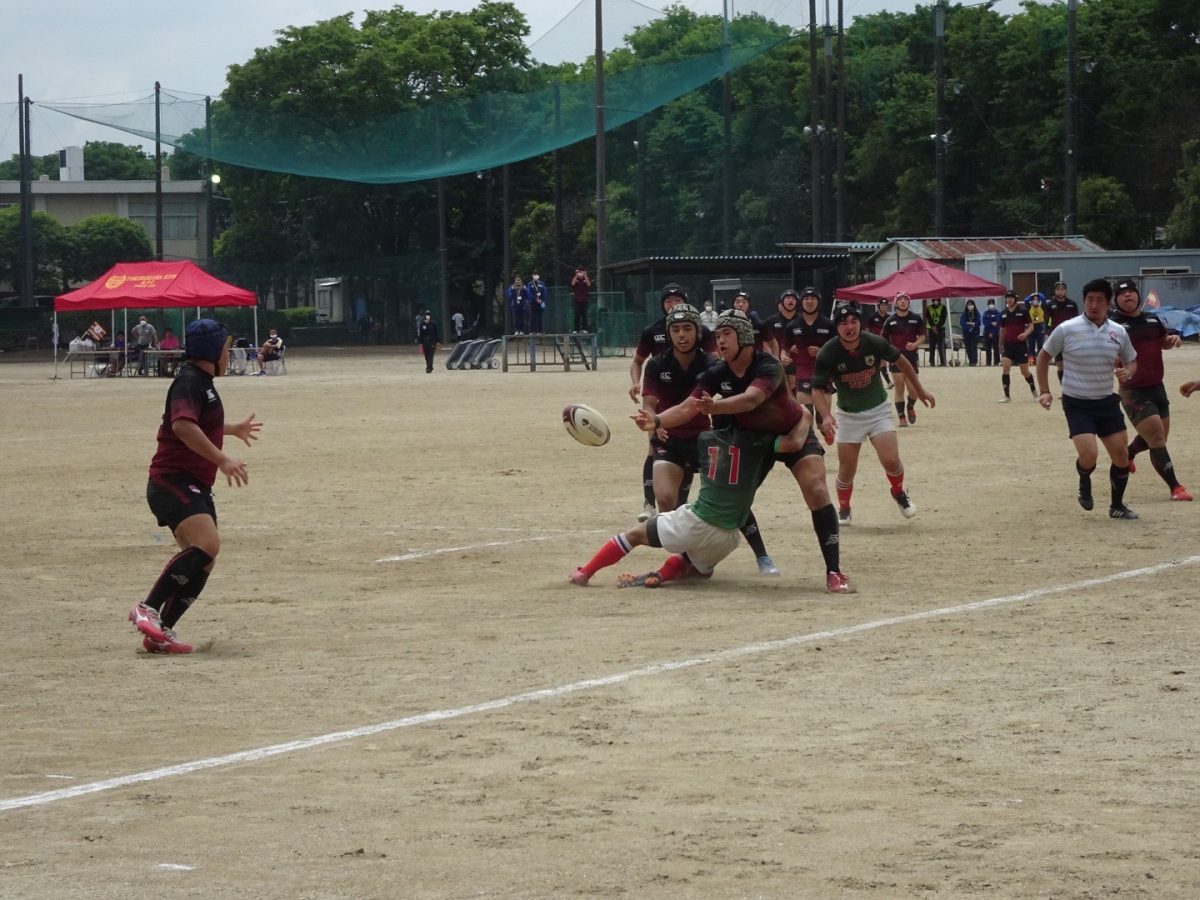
point(672, 290)
point(900, 295)
point(684, 312)
point(740, 323)
point(846, 311)
point(810, 292)
point(1127, 284)
point(788, 293)
point(205, 339)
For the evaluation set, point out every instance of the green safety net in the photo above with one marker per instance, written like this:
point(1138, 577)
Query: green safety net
point(437, 140)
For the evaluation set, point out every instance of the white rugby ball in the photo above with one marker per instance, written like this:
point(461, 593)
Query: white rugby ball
point(586, 425)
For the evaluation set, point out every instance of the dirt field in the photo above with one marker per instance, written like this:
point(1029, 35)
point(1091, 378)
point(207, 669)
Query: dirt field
point(400, 558)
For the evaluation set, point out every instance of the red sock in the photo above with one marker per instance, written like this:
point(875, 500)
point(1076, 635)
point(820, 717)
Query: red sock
point(843, 493)
point(675, 567)
point(613, 551)
point(897, 481)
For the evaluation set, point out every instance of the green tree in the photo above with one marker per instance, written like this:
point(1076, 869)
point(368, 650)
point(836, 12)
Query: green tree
point(109, 161)
point(49, 240)
point(1183, 227)
point(97, 243)
point(1106, 214)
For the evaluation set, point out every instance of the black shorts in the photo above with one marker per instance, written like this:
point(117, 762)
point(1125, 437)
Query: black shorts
point(804, 385)
point(914, 360)
point(1099, 417)
point(1140, 403)
point(173, 498)
point(1015, 352)
point(682, 452)
point(812, 447)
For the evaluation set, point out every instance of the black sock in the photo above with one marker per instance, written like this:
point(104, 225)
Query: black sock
point(180, 572)
point(900, 409)
point(1085, 479)
point(648, 480)
point(1137, 445)
point(1161, 460)
point(174, 609)
point(1118, 478)
point(753, 536)
point(1006, 380)
point(825, 524)
point(1029, 381)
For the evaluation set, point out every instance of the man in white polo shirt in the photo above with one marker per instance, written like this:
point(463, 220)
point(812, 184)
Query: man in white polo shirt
point(1093, 350)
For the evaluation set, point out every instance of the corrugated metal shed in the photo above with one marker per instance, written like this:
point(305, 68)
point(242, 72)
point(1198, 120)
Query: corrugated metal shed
point(943, 249)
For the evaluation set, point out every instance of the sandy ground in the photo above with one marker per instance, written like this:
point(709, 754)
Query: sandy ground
point(744, 737)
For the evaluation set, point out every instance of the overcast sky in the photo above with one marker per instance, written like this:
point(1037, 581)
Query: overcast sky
point(83, 50)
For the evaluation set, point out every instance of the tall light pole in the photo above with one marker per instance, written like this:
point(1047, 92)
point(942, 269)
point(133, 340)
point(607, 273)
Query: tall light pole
point(1070, 210)
point(727, 139)
point(814, 103)
point(939, 138)
point(601, 223)
point(840, 231)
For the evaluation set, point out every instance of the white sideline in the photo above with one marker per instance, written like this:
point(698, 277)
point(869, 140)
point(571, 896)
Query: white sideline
point(337, 737)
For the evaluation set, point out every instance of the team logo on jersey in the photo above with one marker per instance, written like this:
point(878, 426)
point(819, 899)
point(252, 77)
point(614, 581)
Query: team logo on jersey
point(665, 376)
point(869, 360)
point(841, 367)
point(212, 396)
point(660, 339)
point(726, 387)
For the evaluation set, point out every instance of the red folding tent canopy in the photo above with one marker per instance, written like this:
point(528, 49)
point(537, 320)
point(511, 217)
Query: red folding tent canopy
point(923, 280)
point(153, 285)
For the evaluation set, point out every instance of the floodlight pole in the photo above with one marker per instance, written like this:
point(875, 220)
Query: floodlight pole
point(26, 175)
point(840, 232)
point(1071, 210)
point(814, 102)
point(158, 195)
point(827, 151)
point(727, 141)
point(208, 186)
point(601, 225)
point(939, 138)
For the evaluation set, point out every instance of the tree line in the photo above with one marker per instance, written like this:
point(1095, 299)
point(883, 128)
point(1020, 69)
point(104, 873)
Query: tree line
point(1138, 105)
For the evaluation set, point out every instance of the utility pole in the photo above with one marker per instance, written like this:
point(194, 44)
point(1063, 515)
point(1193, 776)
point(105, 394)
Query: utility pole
point(727, 142)
point(1071, 212)
point(827, 151)
point(158, 195)
point(601, 223)
point(939, 138)
point(208, 186)
point(814, 103)
point(841, 127)
point(26, 173)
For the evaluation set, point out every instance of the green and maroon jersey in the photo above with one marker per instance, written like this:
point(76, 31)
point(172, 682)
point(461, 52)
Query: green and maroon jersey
point(731, 468)
point(855, 373)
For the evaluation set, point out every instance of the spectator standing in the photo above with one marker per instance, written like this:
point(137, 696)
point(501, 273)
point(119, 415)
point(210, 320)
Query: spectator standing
point(969, 323)
point(580, 285)
point(457, 320)
point(537, 302)
point(145, 338)
point(427, 337)
point(991, 333)
point(1037, 315)
point(518, 303)
point(708, 318)
point(936, 317)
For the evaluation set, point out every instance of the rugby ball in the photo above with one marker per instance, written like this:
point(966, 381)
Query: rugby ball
point(586, 425)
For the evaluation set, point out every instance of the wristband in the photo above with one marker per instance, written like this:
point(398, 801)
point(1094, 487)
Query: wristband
point(657, 422)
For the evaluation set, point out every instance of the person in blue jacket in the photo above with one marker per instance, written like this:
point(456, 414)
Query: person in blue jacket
point(991, 333)
point(970, 323)
point(517, 297)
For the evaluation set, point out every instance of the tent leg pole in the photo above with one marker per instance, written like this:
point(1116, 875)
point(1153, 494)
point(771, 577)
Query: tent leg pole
point(256, 323)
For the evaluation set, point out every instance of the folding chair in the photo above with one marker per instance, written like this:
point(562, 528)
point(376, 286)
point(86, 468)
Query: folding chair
point(278, 365)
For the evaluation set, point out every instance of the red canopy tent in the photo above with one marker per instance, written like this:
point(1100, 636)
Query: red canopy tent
point(154, 285)
point(923, 280)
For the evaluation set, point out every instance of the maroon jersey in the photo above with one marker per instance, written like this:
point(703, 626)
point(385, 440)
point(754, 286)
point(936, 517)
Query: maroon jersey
point(1059, 311)
point(1013, 323)
point(876, 322)
point(191, 397)
point(901, 330)
point(800, 335)
point(776, 326)
point(778, 414)
point(670, 384)
point(1146, 333)
point(654, 340)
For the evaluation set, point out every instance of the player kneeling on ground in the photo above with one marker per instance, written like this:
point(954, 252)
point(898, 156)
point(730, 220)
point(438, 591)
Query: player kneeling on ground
point(702, 532)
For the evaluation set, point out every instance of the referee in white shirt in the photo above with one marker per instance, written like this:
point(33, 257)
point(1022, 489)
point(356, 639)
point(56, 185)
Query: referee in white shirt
point(1093, 350)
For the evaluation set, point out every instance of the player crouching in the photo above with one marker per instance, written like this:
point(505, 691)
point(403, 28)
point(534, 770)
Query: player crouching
point(703, 532)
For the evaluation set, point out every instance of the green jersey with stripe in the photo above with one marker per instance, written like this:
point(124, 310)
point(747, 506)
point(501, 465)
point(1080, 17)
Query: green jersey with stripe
point(732, 463)
point(855, 373)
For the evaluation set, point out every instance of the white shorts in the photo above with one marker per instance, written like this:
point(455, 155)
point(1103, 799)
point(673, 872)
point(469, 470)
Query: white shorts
point(858, 427)
point(682, 531)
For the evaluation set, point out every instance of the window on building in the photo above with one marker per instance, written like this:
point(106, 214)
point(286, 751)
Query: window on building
point(1166, 270)
point(1025, 283)
point(181, 218)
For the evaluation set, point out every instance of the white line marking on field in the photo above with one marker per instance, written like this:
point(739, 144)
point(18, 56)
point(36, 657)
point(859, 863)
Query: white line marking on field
point(175, 867)
point(441, 715)
point(62, 777)
point(421, 554)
